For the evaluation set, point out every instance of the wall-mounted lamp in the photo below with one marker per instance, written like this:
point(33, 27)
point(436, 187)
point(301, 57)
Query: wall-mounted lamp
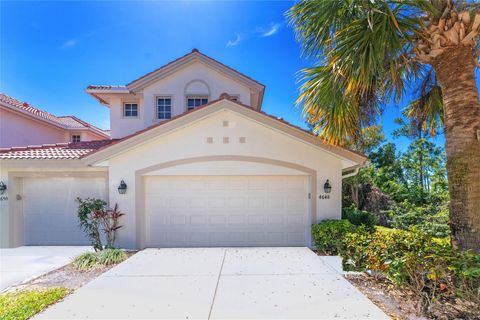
point(3, 187)
point(327, 187)
point(122, 188)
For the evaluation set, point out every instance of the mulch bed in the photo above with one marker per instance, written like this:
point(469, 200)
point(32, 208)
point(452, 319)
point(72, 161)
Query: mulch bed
point(402, 303)
point(66, 277)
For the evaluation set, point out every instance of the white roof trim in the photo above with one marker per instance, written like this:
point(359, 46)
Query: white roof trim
point(138, 139)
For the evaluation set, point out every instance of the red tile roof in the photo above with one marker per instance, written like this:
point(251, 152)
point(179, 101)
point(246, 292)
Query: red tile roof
point(67, 122)
point(81, 149)
point(104, 87)
point(58, 151)
point(225, 96)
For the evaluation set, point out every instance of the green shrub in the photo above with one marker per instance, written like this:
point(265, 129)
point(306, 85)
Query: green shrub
point(432, 219)
point(111, 256)
point(428, 265)
point(86, 261)
point(86, 208)
point(22, 305)
point(359, 217)
point(328, 235)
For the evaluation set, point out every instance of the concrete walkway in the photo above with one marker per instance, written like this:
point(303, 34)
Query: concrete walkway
point(18, 265)
point(218, 283)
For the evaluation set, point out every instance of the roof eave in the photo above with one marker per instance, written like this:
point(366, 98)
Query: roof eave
point(124, 144)
point(32, 115)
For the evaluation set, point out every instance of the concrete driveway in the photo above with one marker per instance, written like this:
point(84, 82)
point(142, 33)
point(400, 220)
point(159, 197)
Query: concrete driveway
point(21, 264)
point(218, 283)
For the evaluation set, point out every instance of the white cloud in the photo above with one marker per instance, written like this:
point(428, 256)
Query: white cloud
point(68, 44)
point(233, 43)
point(268, 31)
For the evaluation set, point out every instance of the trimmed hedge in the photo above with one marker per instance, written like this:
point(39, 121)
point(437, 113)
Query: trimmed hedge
point(329, 234)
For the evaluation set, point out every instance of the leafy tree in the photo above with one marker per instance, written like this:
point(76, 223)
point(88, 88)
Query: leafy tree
point(368, 51)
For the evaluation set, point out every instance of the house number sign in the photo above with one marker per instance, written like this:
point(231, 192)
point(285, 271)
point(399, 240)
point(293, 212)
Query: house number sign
point(3, 198)
point(324, 196)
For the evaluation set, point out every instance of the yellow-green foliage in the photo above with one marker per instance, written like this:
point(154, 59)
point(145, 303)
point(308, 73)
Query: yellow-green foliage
point(89, 260)
point(414, 258)
point(111, 256)
point(25, 304)
point(86, 261)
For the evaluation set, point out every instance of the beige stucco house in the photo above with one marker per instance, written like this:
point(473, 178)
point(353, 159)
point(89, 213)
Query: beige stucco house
point(203, 166)
point(22, 124)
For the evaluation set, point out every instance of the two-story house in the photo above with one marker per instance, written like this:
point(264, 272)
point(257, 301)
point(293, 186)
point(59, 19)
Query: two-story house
point(22, 124)
point(193, 161)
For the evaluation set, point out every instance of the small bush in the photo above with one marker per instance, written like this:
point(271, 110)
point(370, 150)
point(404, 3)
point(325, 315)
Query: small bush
point(328, 235)
point(359, 217)
point(111, 256)
point(427, 265)
point(23, 305)
point(86, 261)
point(86, 208)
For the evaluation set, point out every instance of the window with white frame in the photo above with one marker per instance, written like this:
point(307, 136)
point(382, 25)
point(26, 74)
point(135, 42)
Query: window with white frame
point(130, 110)
point(76, 138)
point(194, 102)
point(164, 108)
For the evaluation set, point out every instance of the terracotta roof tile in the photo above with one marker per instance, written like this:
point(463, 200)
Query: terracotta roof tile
point(67, 122)
point(224, 96)
point(104, 87)
point(58, 151)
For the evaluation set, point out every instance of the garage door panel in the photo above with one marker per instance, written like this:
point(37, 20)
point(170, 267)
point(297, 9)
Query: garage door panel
point(52, 219)
point(226, 211)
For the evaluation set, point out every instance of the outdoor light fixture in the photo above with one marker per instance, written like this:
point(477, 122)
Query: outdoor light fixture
point(122, 188)
point(3, 187)
point(327, 187)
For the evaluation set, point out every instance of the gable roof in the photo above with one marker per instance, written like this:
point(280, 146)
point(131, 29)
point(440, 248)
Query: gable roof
point(144, 135)
point(165, 70)
point(194, 55)
point(64, 122)
point(57, 151)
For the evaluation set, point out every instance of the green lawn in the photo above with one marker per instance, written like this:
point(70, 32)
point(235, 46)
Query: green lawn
point(25, 304)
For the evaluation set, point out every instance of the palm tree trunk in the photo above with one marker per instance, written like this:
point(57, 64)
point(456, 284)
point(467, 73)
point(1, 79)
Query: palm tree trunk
point(455, 71)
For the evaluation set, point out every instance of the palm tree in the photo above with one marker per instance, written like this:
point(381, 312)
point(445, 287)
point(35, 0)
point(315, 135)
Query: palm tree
point(369, 52)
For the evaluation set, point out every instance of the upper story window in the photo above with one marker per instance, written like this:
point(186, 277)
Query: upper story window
point(130, 110)
point(194, 102)
point(164, 107)
point(76, 138)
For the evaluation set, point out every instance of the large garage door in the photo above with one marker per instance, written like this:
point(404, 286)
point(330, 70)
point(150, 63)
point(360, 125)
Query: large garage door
point(209, 211)
point(50, 209)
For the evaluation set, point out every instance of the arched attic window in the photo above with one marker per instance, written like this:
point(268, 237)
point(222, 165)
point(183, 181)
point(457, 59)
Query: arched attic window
point(197, 93)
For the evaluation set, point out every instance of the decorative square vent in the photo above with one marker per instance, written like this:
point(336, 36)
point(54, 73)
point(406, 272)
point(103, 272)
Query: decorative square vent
point(242, 139)
point(225, 123)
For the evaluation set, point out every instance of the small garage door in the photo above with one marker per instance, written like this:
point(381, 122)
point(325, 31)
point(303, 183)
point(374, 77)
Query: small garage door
point(50, 209)
point(211, 211)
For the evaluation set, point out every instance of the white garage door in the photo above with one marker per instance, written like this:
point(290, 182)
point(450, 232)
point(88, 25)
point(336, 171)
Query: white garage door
point(209, 211)
point(50, 209)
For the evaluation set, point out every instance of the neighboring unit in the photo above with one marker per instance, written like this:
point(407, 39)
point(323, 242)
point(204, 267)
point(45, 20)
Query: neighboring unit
point(202, 164)
point(22, 125)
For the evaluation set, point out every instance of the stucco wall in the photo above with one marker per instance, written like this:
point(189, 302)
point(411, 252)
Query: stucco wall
point(18, 131)
point(195, 78)
point(191, 142)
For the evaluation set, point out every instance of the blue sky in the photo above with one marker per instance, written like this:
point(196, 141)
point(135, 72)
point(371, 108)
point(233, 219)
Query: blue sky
point(50, 51)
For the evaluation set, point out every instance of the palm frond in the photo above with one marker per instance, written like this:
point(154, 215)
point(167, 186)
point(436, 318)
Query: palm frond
point(364, 48)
